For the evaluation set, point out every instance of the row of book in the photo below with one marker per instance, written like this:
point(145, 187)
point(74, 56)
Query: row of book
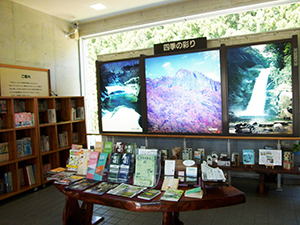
point(1, 122)
point(6, 185)
point(175, 153)
point(45, 143)
point(19, 106)
point(4, 153)
point(63, 139)
point(3, 107)
point(24, 147)
point(80, 183)
point(77, 113)
point(24, 119)
point(26, 177)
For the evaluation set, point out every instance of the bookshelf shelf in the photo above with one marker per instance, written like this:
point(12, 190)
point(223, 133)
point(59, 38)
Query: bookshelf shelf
point(37, 129)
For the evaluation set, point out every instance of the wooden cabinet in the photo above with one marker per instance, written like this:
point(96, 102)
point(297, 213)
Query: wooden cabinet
point(36, 133)
point(61, 123)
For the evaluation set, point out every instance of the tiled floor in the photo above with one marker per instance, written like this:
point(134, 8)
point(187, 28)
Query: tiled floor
point(45, 206)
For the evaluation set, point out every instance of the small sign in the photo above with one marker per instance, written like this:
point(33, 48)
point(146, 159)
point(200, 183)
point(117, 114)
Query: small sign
point(182, 45)
point(24, 81)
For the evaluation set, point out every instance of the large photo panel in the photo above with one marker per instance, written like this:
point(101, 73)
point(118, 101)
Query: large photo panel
point(119, 95)
point(260, 89)
point(183, 93)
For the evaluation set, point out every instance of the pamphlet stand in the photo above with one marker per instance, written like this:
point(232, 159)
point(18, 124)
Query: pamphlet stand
point(267, 166)
point(251, 165)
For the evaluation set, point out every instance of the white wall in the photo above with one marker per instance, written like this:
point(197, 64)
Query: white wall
point(35, 39)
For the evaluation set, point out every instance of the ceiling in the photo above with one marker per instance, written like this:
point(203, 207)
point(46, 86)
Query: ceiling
point(73, 10)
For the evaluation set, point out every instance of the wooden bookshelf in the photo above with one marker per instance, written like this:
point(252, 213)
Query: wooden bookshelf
point(61, 131)
point(56, 154)
point(10, 132)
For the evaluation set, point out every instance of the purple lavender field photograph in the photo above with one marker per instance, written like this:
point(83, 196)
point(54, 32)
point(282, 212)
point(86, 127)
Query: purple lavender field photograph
point(183, 93)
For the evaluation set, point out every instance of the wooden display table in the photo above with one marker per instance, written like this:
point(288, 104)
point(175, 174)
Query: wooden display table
point(216, 197)
point(262, 170)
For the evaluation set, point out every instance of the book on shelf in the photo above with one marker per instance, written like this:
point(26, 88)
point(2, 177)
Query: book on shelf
point(108, 146)
point(4, 152)
point(124, 168)
point(169, 169)
point(270, 157)
point(60, 175)
point(99, 172)
point(73, 114)
point(73, 160)
point(42, 105)
point(187, 154)
point(198, 156)
point(83, 160)
point(46, 168)
point(114, 167)
point(172, 195)
point(63, 139)
point(92, 164)
point(170, 183)
point(75, 146)
point(21, 177)
point(149, 194)
point(194, 193)
point(120, 147)
point(82, 184)
point(145, 168)
point(19, 105)
point(130, 148)
point(75, 137)
point(51, 115)
point(80, 113)
point(248, 157)
point(175, 153)
point(20, 148)
point(126, 190)
point(3, 107)
point(27, 146)
point(99, 146)
point(24, 119)
point(29, 174)
point(191, 174)
point(69, 180)
point(165, 153)
point(46, 143)
point(101, 188)
point(7, 182)
point(57, 170)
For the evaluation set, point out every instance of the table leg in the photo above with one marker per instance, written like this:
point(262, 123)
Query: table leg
point(171, 218)
point(83, 215)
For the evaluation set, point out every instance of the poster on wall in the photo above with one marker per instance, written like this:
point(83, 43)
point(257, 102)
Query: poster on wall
point(24, 81)
point(260, 92)
point(119, 95)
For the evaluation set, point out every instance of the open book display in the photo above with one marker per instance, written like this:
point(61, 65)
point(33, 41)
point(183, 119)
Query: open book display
point(212, 174)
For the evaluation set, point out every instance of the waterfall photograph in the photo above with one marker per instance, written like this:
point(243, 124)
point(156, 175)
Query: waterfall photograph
point(260, 95)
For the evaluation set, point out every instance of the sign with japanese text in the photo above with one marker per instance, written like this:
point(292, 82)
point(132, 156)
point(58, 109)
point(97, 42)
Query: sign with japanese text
point(23, 81)
point(182, 45)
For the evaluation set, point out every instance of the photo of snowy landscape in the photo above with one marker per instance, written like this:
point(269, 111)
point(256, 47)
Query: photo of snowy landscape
point(120, 96)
